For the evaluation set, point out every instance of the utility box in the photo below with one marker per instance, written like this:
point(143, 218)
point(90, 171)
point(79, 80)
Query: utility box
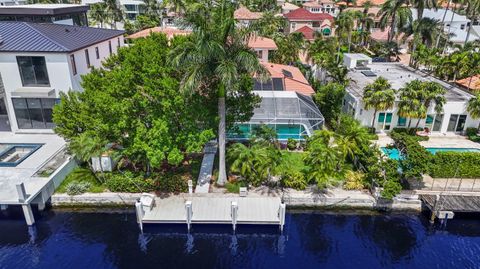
point(243, 191)
point(104, 163)
point(356, 60)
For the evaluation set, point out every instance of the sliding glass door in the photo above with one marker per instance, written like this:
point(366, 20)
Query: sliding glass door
point(456, 123)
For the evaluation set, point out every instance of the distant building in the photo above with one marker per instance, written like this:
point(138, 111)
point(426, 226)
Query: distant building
point(322, 6)
point(288, 7)
point(68, 14)
point(262, 46)
point(319, 22)
point(453, 119)
point(4, 3)
point(168, 31)
point(40, 60)
point(245, 17)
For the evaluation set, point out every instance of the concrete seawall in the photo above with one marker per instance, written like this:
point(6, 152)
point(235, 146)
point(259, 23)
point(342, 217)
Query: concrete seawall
point(355, 200)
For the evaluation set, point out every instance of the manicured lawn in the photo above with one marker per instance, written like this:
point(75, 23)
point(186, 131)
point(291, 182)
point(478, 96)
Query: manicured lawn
point(81, 175)
point(292, 161)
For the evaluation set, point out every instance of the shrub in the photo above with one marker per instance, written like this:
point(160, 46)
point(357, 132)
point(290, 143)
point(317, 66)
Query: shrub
point(411, 132)
point(234, 187)
point(292, 144)
point(128, 182)
point(294, 179)
point(390, 189)
point(417, 159)
point(455, 164)
point(471, 131)
point(77, 188)
point(354, 180)
point(172, 183)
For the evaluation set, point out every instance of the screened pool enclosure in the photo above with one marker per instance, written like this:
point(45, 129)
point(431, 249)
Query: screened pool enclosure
point(290, 114)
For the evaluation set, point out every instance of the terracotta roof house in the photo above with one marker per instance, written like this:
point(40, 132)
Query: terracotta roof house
point(288, 7)
point(169, 31)
point(320, 22)
point(262, 46)
point(472, 83)
point(245, 16)
point(285, 78)
point(308, 33)
point(322, 6)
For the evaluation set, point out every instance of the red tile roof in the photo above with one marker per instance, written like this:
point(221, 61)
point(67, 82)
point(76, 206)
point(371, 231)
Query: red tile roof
point(244, 14)
point(302, 14)
point(297, 82)
point(170, 32)
point(473, 81)
point(259, 42)
point(307, 32)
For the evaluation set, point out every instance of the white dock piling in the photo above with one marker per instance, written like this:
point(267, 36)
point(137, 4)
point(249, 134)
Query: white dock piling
point(234, 213)
point(189, 213)
point(190, 186)
point(281, 215)
point(140, 213)
point(27, 211)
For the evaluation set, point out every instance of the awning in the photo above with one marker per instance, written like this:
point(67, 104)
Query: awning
point(34, 92)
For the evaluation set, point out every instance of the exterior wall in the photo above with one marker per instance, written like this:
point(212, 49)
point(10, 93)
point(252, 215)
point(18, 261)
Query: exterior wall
point(366, 116)
point(60, 74)
point(295, 25)
point(262, 54)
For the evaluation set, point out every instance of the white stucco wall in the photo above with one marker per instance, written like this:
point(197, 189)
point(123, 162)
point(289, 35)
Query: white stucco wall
point(60, 73)
point(366, 116)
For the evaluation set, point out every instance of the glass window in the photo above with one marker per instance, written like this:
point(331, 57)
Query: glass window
point(74, 66)
point(97, 53)
point(33, 71)
point(437, 124)
point(87, 57)
point(110, 47)
point(429, 119)
point(388, 118)
point(34, 113)
point(381, 117)
point(118, 42)
point(452, 123)
point(461, 123)
point(402, 122)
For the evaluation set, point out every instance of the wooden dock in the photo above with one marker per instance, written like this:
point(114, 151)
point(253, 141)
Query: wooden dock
point(234, 210)
point(454, 203)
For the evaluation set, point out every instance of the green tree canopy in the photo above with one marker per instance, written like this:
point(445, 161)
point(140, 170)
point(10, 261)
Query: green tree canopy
point(134, 102)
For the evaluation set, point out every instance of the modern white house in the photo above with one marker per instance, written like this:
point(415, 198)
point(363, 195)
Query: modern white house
point(38, 61)
point(453, 119)
point(69, 14)
point(455, 25)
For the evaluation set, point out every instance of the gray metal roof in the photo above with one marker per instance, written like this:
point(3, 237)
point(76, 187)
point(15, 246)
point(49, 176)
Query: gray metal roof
point(43, 9)
point(48, 37)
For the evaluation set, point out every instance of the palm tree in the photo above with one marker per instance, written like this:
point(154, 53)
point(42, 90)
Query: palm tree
point(289, 47)
point(443, 21)
point(430, 93)
point(396, 13)
point(424, 30)
point(472, 11)
point(366, 20)
point(473, 107)
point(97, 13)
point(409, 104)
point(214, 60)
point(86, 146)
point(114, 12)
point(152, 8)
point(378, 95)
point(345, 23)
point(420, 5)
point(269, 24)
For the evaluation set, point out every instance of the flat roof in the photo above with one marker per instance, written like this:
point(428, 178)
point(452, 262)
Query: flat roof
point(357, 56)
point(43, 9)
point(398, 75)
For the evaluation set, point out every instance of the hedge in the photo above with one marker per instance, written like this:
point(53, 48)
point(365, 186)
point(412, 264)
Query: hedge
point(455, 165)
point(128, 182)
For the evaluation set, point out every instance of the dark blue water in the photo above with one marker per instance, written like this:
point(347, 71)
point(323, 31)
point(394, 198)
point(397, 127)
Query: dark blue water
point(311, 240)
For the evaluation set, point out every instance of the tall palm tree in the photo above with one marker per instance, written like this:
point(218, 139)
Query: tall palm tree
point(289, 47)
point(430, 93)
point(396, 14)
point(269, 24)
point(215, 59)
point(153, 8)
point(421, 5)
point(97, 13)
point(472, 11)
point(114, 12)
point(345, 23)
point(378, 95)
point(366, 20)
point(473, 107)
point(423, 31)
point(443, 21)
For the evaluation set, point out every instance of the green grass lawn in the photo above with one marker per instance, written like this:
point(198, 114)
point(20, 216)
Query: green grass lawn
point(292, 161)
point(81, 175)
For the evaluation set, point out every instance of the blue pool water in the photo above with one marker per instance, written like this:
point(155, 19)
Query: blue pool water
point(310, 240)
point(284, 131)
point(395, 154)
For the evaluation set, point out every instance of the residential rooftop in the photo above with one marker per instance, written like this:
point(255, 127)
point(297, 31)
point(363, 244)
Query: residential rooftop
point(398, 75)
point(302, 14)
point(472, 82)
point(49, 37)
point(43, 9)
point(259, 42)
point(292, 77)
point(170, 32)
point(244, 13)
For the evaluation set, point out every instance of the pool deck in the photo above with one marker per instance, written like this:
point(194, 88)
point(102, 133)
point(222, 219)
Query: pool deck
point(24, 171)
point(435, 141)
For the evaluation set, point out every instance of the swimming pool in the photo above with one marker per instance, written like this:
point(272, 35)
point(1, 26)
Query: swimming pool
point(284, 131)
point(395, 154)
point(13, 154)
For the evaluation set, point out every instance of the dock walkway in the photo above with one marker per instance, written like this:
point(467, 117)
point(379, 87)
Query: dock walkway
point(203, 182)
point(233, 210)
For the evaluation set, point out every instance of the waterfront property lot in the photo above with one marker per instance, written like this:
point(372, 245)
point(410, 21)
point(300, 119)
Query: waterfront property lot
point(25, 170)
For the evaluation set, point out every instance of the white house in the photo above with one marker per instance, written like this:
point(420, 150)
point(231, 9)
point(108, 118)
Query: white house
point(453, 119)
point(454, 24)
point(70, 14)
point(38, 61)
